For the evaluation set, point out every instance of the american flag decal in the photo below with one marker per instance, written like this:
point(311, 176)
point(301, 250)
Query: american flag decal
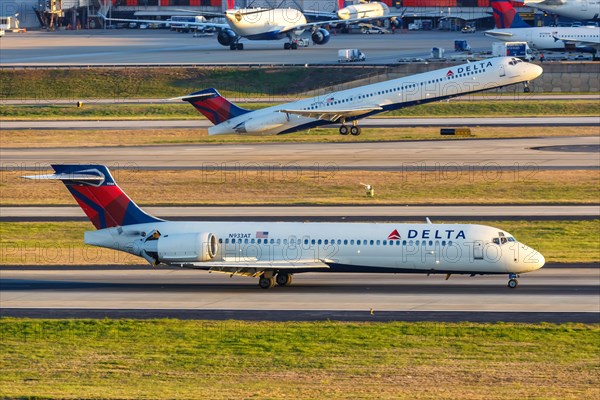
point(262, 235)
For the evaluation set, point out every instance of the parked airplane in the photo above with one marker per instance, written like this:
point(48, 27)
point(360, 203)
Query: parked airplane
point(365, 10)
point(511, 28)
point(354, 104)
point(260, 24)
point(274, 251)
point(583, 10)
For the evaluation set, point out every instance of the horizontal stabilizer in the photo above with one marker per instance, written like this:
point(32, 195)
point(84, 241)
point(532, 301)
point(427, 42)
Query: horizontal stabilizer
point(81, 178)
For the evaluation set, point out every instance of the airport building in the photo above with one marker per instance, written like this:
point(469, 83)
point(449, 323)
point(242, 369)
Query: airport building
point(82, 14)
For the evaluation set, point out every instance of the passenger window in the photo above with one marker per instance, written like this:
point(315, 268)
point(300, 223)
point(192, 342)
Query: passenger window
point(358, 242)
point(345, 241)
point(371, 242)
point(378, 242)
point(352, 242)
point(319, 242)
point(385, 242)
point(312, 241)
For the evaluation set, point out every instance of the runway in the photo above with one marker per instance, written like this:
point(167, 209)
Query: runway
point(488, 154)
point(324, 213)
point(365, 123)
point(554, 293)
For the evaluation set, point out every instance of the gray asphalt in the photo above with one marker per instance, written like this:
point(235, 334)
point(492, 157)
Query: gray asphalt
point(139, 47)
point(449, 155)
point(550, 294)
point(365, 123)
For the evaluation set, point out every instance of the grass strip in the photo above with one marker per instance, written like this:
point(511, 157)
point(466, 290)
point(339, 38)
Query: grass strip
point(290, 185)
point(91, 111)
point(56, 243)
point(234, 359)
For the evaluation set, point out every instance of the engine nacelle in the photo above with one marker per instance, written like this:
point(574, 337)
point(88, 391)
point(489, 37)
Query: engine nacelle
point(263, 124)
point(320, 36)
point(181, 248)
point(226, 37)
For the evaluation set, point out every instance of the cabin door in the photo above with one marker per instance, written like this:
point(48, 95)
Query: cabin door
point(478, 250)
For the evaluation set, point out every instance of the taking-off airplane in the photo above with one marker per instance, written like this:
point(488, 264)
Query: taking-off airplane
point(353, 104)
point(260, 24)
point(274, 251)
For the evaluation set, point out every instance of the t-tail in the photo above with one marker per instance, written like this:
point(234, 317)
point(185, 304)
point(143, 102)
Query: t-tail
point(506, 16)
point(213, 106)
point(102, 200)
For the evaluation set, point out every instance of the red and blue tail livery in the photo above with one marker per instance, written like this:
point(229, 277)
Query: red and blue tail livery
point(214, 106)
point(506, 16)
point(96, 192)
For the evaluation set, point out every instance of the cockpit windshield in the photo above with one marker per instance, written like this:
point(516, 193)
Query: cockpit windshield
point(503, 238)
point(514, 61)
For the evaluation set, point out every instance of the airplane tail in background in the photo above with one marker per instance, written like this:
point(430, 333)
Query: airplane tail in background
point(506, 16)
point(214, 106)
point(230, 4)
point(341, 4)
point(102, 200)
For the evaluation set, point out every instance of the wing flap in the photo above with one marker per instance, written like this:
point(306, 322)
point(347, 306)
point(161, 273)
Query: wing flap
point(332, 115)
point(255, 268)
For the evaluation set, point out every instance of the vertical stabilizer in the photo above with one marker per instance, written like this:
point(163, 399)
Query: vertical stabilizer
point(506, 16)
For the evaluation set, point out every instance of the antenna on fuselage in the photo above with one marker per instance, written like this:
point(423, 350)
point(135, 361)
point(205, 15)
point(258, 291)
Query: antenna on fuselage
point(428, 220)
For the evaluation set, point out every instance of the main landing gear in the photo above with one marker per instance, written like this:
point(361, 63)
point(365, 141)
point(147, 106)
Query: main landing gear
point(267, 280)
point(236, 46)
point(526, 87)
point(353, 130)
point(512, 281)
point(290, 46)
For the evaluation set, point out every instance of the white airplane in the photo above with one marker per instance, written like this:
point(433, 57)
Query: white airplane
point(511, 28)
point(259, 24)
point(354, 104)
point(583, 10)
point(274, 251)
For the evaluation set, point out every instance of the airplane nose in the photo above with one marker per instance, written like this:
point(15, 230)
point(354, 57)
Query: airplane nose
point(535, 71)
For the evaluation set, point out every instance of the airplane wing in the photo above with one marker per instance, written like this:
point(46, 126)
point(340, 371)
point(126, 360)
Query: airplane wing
point(319, 24)
point(545, 2)
point(256, 268)
point(153, 21)
point(333, 115)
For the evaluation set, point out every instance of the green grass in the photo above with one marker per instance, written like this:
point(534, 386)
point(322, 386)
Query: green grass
point(53, 243)
point(234, 359)
point(91, 110)
point(89, 84)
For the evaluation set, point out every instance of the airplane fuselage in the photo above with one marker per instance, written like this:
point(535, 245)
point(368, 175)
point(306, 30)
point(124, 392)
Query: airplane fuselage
point(548, 38)
point(583, 10)
point(364, 10)
point(265, 25)
point(389, 95)
point(343, 247)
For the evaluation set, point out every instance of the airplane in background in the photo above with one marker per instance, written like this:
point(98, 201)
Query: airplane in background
point(511, 28)
point(583, 10)
point(354, 104)
point(259, 24)
point(274, 251)
point(365, 10)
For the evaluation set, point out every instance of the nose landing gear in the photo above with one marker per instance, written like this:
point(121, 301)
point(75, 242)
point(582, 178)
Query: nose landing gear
point(512, 281)
point(526, 87)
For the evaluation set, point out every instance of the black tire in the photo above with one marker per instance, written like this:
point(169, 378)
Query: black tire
point(294, 46)
point(232, 46)
point(513, 283)
point(287, 46)
point(283, 279)
point(266, 283)
point(344, 130)
point(354, 130)
point(239, 46)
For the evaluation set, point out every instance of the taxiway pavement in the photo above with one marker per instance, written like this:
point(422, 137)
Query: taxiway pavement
point(537, 153)
point(550, 294)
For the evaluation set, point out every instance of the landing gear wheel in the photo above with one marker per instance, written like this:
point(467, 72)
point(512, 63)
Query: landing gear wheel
point(287, 46)
point(266, 283)
point(294, 46)
point(526, 87)
point(513, 283)
point(344, 130)
point(283, 279)
point(239, 46)
point(232, 47)
point(355, 130)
